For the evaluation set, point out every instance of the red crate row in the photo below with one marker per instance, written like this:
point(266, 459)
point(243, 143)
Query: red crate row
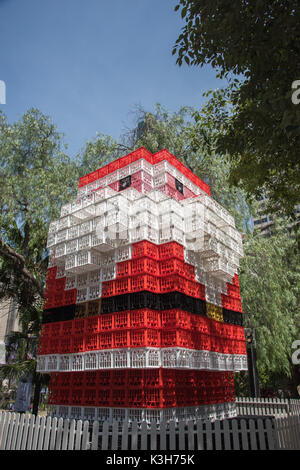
point(139, 378)
point(157, 252)
point(127, 397)
point(143, 318)
point(54, 286)
point(233, 291)
point(147, 265)
point(231, 303)
point(60, 298)
point(137, 338)
point(151, 158)
point(152, 283)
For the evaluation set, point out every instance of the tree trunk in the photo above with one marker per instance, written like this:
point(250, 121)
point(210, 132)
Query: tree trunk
point(36, 397)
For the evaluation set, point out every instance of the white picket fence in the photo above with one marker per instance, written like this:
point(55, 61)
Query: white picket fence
point(27, 432)
point(30, 432)
point(267, 406)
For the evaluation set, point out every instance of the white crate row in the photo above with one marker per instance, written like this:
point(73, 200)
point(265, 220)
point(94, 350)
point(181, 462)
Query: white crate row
point(178, 358)
point(82, 261)
point(89, 293)
point(216, 411)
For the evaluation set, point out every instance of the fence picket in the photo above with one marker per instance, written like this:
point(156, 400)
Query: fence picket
point(41, 433)
point(172, 432)
point(124, 443)
point(235, 435)
point(85, 445)
point(20, 432)
point(10, 431)
point(191, 435)
point(78, 434)
point(65, 434)
point(47, 433)
point(144, 435)
point(105, 431)
point(244, 433)
point(95, 434)
point(53, 433)
point(114, 437)
point(16, 429)
point(153, 438)
point(134, 436)
point(162, 433)
point(227, 434)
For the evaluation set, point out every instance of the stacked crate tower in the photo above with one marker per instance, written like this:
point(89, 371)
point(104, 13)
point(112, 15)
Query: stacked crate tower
point(142, 315)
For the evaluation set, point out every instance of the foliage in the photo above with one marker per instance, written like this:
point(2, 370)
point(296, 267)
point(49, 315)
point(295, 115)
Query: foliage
point(255, 47)
point(269, 280)
point(36, 178)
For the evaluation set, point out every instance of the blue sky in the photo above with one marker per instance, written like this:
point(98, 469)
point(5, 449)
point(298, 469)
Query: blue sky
point(87, 63)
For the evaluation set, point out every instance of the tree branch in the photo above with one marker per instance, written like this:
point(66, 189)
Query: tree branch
point(19, 263)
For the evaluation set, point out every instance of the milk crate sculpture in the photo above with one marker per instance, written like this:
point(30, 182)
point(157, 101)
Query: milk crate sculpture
point(142, 315)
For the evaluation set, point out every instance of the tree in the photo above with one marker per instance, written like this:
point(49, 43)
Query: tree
point(36, 179)
point(255, 47)
point(269, 280)
point(197, 150)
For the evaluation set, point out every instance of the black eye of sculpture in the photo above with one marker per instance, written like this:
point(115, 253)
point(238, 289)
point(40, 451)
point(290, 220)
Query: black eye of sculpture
point(179, 186)
point(125, 183)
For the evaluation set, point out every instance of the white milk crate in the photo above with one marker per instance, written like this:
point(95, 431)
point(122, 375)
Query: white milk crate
point(60, 271)
point(51, 240)
point(125, 171)
point(144, 233)
point(77, 362)
point(118, 219)
point(105, 359)
point(60, 250)
point(82, 295)
point(85, 242)
point(70, 262)
point(141, 165)
point(87, 260)
point(168, 234)
point(103, 194)
point(144, 218)
point(94, 277)
point(61, 236)
point(86, 227)
point(100, 210)
point(71, 246)
point(82, 280)
point(91, 361)
point(70, 282)
point(123, 253)
point(168, 205)
point(53, 226)
point(66, 222)
point(73, 232)
point(108, 273)
point(94, 292)
point(171, 219)
point(66, 209)
point(112, 177)
point(108, 258)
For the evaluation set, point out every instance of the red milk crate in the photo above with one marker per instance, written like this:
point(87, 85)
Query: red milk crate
point(59, 299)
point(124, 269)
point(92, 324)
point(175, 318)
point(51, 273)
point(171, 283)
point(168, 378)
point(144, 318)
point(70, 296)
point(194, 289)
point(50, 287)
point(65, 345)
point(106, 322)
point(175, 337)
point(233, 291)
point(76, 397)
point(135, 378)
point(53, 396)
point(121, 320)
point(121, 339)
point(171, 250)
point(151, 378)
point(144, 282)
point(91, 342)
point(60, 284)
point(77, 343)
point(169, 398)
point(43, 346)
point(78, 326)
point(119, 397)
point(103, 378)
point(77, 379)
point(106, 340)
point(144, 337)
point(122, 286)
point(91, 379)
point(67, 328)
point(103, 397)
point(135, 397)
point(118, 378)
point(54, 380)
point(231, 303)
point(90, 397)
point(201, 341)
point(108, 288)
point(153, 398)
point(144, 248)
point(54, 345)
point(144, 265)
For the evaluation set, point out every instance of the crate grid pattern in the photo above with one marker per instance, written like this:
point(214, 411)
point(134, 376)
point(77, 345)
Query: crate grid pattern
point(142, 276)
